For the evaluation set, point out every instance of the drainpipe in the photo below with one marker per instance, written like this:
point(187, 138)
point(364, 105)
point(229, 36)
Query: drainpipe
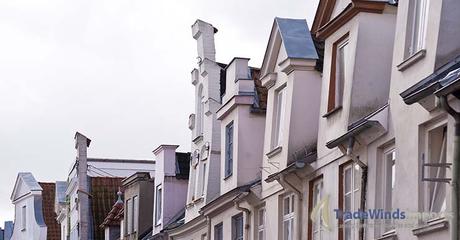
point(363, 166)
point(455, 168)
point(208, 223)
point(247, 213)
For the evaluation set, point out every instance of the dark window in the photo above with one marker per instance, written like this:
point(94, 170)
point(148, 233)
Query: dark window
point(218, 232)
point(237, 227)
point(229, 149)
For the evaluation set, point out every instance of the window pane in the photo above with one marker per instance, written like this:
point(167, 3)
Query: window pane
point(340, 72)
point(229, 149)
point(347, 180)
point(262, 217)
point(286, 206)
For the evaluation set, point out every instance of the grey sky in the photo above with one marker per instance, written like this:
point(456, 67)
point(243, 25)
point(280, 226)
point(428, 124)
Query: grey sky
point(116, 70)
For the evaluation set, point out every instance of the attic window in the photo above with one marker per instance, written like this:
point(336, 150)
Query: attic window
point(338, 72)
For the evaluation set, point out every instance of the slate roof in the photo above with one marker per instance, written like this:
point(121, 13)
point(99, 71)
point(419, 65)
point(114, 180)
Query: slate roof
point(103, 192)
point(48, 198)
point(296, 38)
point(432, 83)
point(29, 181)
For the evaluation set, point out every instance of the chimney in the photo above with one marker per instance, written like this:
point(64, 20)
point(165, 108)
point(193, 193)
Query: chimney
point(165, 159)
point(203, 33)
point(81, 145)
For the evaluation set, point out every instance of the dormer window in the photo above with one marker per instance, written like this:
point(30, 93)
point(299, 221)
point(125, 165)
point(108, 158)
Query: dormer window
point(280, 108)
point(337, 78)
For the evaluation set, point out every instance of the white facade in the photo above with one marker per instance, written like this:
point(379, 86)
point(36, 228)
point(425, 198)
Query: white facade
point(28, 217)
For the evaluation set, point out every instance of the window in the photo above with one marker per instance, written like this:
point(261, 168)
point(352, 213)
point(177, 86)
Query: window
point(135, 212)
point(158, 205)
point(316, 193)
point(417, 22)
point(288, 217)
point(193, 172)
point(200, 111)
point(229, 149)
point(219, 232)
point(388, 181)
point(261, 224)
point(203, 179)
point(350, 197)
point(23, 218)
point(280, 106)
point(129, 216)
point(237, 227)
point(435, 192)
point(338, 73)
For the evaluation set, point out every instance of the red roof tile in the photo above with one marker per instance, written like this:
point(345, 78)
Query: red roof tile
point(48, 197)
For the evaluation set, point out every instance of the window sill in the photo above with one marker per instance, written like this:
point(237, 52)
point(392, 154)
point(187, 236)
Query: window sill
point(200, 199)
point(334, 110)
point(227, 176)
point(411, 60)
point(198, 139)
point(274, 152)
point(432, 226)
point(389, 235)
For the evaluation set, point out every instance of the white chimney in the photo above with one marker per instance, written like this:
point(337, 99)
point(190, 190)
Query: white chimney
point(203, 33)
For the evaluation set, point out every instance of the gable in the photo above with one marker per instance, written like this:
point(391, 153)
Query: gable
point(25, 183)
point(339, 7)
point(289, 38)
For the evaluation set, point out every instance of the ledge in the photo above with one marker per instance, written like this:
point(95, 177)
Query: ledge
point(198, 139)
point(334, 110)
point(411, 60)
point(269, 80)
point(432, 226)
point(274, 152)
point(228, 176)
point(389, 235)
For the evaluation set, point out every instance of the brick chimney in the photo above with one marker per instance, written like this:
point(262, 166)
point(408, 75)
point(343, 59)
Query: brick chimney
point(203, 33)
point(81, 145)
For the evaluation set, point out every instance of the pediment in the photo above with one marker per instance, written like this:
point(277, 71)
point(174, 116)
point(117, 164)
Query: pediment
point(25, 184)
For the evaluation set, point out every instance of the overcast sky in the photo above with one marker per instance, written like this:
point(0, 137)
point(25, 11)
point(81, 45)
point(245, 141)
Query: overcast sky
point(116, 70)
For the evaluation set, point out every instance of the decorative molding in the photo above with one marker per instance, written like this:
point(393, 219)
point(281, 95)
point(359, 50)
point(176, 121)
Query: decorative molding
point(292, 64)
point(269, 80)
point(431, 226)
point(355, 7)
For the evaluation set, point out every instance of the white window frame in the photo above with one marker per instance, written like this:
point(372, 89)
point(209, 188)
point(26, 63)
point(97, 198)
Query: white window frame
point(279, 117)
point(129, 217)
point(354, 194)
point(261, 219)
point(388, 184)
point(317, 195)
point(135, 214)
point(417, 26)
point(158, 204)
point(288, 217)
point(229, 146)
point(429, 197)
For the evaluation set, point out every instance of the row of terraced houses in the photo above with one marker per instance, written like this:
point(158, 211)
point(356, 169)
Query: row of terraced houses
point(347, 131)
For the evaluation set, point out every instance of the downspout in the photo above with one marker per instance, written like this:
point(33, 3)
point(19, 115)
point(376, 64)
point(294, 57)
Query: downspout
point(455, 168)
point(208, 223)
point(363, 166)
point(247, 213)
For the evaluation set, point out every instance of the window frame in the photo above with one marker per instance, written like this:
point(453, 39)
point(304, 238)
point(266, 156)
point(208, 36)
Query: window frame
point(23, 218)
point(219, 231)
point(158, 204)
point(334, 90)
point(135, 213)
point(279, 117)
point(312, 203)
point(129, 222)
point(417, 23)
point(229, 147)
point(342, 195)
point(288, 217)
point(389, 174)
point(237, 223)
point(261, 226)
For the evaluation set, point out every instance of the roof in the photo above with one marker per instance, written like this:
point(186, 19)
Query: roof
point(49, 215)
point(29, 180)
point(431, 83)
point(103, 192)
point(115, 215)
point(182, 165)
point(296, 38)
point(115, 160)
point(260, 102)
